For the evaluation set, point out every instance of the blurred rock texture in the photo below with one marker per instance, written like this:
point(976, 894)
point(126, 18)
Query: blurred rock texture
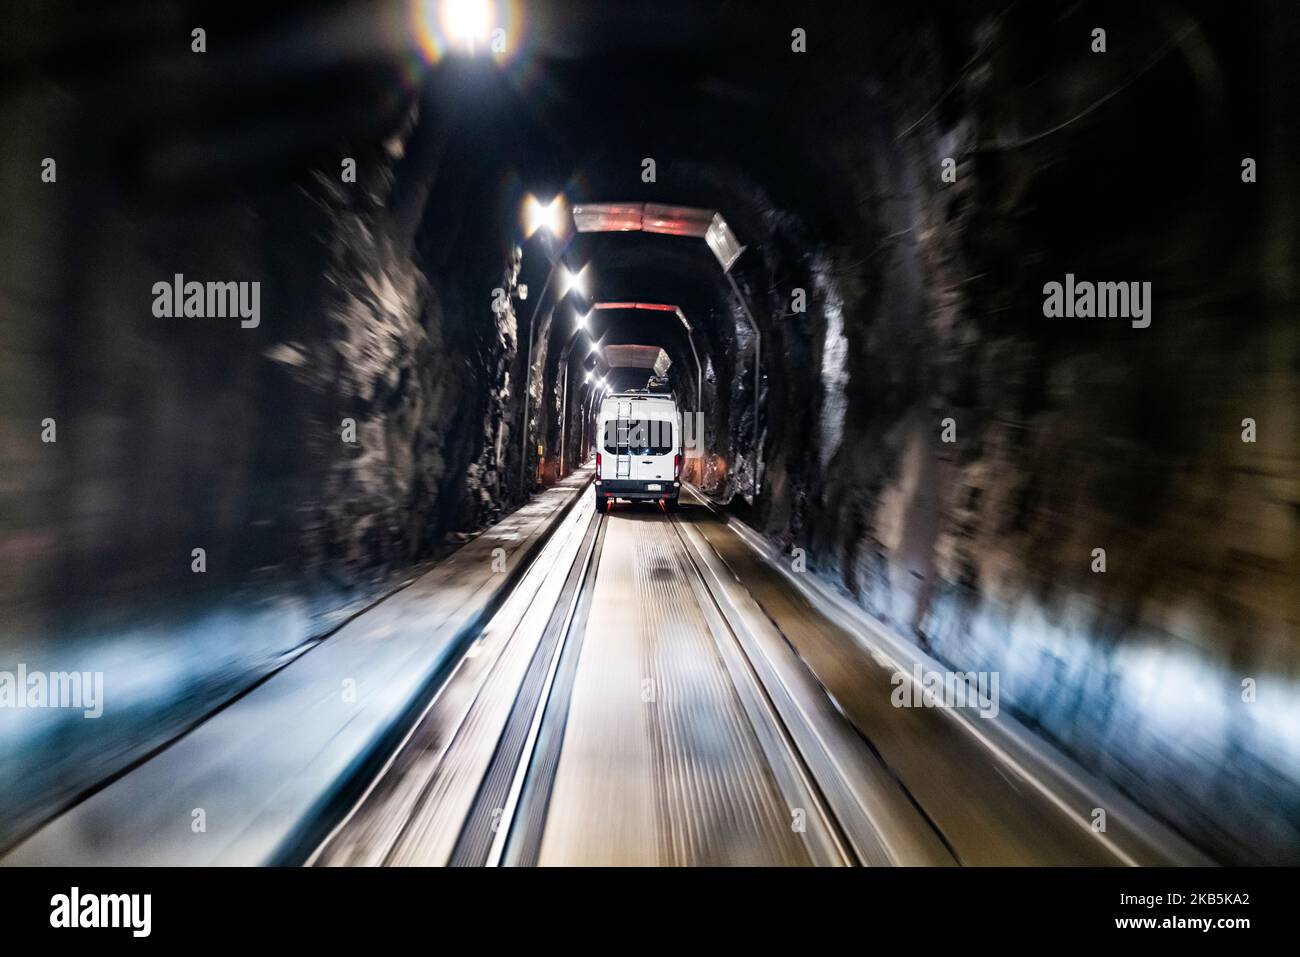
point(1072, 434)
point(185, 433)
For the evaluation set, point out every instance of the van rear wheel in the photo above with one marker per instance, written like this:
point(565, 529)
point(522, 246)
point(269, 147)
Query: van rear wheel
point(602, 503)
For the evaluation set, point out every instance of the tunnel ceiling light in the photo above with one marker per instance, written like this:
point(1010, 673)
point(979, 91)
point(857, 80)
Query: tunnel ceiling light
point(588, 378)
point(548, 216)
point(582, 319)
point(573, 281)
point(467, 20)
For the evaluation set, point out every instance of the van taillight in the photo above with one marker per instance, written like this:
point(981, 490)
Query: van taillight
point(597, 463)
point(677, 465)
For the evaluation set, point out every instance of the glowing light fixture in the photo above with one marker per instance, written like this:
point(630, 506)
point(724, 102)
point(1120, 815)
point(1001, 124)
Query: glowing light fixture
point(552, 216)
point(443, 28)
point(573, 281)
point(467, 20)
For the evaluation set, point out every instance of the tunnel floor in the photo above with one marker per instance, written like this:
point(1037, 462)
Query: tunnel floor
point(660, 764)
point(616, 712)
point(645, 688)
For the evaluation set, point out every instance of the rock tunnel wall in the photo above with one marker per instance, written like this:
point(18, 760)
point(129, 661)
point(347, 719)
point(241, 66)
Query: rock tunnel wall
point(1176, 671)
point(317, 458)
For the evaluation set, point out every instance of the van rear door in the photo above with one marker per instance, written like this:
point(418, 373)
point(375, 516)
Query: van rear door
point(653, 441)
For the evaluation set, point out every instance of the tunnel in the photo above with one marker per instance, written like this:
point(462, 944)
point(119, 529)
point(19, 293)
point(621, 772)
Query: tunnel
point(827, 231)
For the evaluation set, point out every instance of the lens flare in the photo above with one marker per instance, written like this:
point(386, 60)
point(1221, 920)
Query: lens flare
point(467, 27)
point(573, 281)
point(552, 216)
point(468, 20)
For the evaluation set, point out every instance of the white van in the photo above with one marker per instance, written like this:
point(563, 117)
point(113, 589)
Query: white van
point(639, 449)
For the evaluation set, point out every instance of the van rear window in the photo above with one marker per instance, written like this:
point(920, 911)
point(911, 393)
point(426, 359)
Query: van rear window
point(638, 436)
